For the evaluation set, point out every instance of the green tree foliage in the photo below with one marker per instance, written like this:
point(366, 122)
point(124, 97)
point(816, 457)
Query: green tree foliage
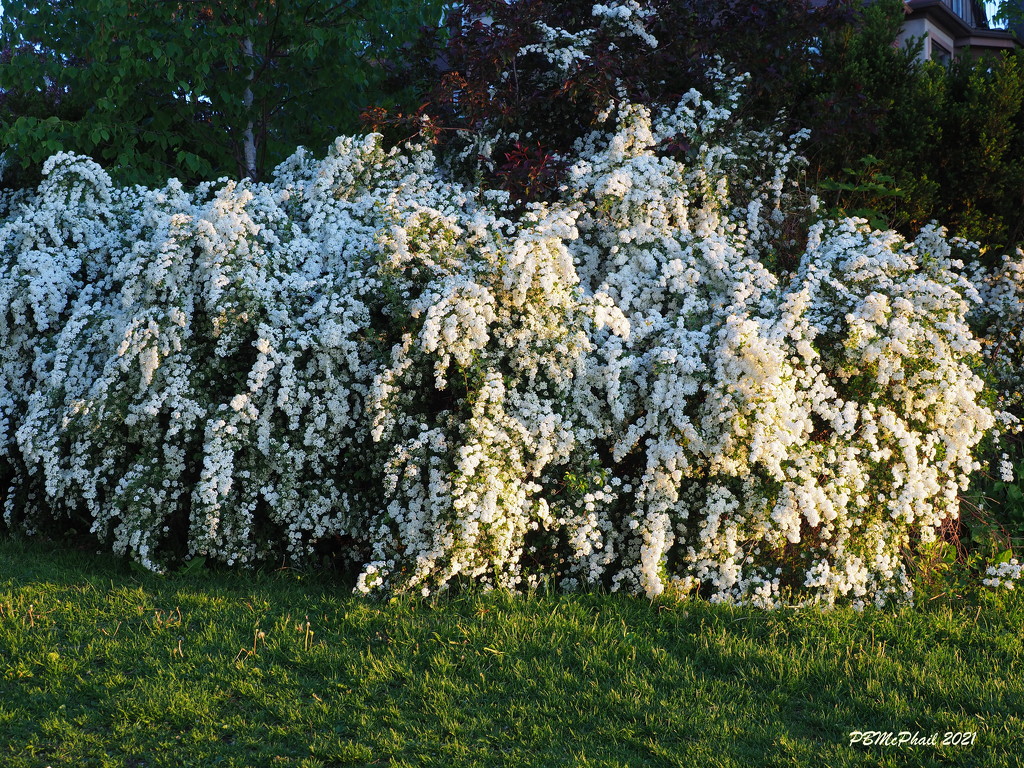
point(893, 138)
point(873, 116)
point(979, 153)
point(160, 88)
point(1009, 13)
point(912, 141)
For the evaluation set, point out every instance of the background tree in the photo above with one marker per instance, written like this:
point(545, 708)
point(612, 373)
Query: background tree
point(893, 138)
point(493, 70)
point(192, 88)
point(907, 142)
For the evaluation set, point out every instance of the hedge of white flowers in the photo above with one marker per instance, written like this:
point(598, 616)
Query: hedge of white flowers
point(618, 387)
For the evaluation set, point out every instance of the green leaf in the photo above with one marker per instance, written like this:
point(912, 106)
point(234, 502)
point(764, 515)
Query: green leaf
point(194, 566)
point(947, 552)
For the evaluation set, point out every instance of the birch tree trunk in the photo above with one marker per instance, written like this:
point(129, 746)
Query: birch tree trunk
point(249, 140)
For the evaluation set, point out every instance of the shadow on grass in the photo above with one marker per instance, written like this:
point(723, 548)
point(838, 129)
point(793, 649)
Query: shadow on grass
point(103, 665)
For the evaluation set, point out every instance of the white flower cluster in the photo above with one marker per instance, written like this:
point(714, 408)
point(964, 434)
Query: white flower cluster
point(1000, 319)
point(626, 18)
point(611, 388)
point(775, 433)
point(1005, 575)
point(567, 51)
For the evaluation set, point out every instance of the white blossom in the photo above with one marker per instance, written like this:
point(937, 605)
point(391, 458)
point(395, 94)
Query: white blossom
point(611, 388)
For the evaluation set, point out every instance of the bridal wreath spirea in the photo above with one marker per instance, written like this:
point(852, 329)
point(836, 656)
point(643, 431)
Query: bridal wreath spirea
point(619, 387)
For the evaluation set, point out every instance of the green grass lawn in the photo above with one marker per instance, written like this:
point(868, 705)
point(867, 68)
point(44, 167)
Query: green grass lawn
point(101, 665)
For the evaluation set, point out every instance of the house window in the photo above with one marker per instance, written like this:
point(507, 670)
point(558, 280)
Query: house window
point(940, 54)
point(958, 8)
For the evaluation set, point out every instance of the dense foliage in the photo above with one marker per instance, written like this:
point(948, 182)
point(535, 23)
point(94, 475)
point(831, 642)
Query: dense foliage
point(510, 86)
point(199, 90)
point(892, 139)
point(613, 387)
point(518, 83)
point(931, 142)
point(192, 90)
point(604, 331)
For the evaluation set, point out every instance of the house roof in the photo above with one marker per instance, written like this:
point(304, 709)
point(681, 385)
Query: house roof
point(964, 35)
point(940, 13)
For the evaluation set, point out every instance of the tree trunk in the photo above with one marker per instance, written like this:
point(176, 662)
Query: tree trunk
point(249, 145)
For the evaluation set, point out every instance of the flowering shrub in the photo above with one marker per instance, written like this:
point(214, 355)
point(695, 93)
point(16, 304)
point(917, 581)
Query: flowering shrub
point(610, 388)
point(1004, 575)
point(999, 322)
point(1000, 318)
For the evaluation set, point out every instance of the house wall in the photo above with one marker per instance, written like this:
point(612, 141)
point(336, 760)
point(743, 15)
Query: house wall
point(937, 35)
point(932, 34)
